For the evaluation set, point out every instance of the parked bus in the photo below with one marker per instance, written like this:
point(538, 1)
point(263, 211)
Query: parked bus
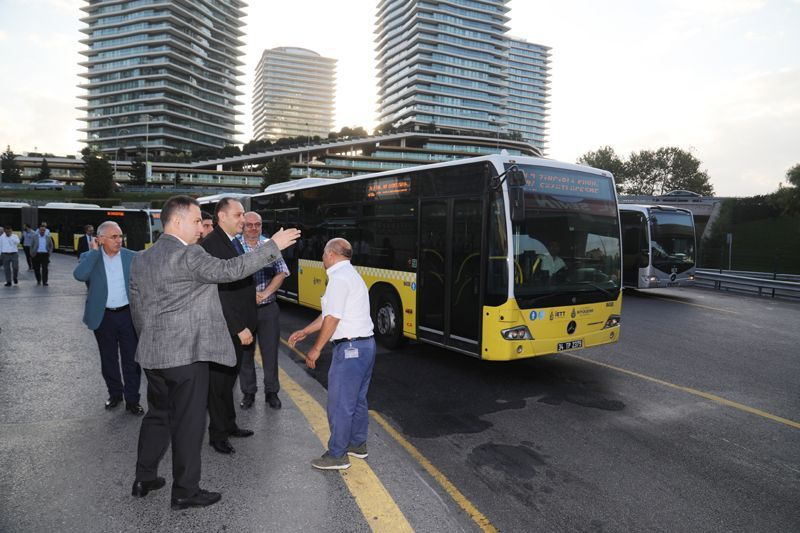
point(658, 244)
point(66, 222)
point(11, 215)
point(497, 257)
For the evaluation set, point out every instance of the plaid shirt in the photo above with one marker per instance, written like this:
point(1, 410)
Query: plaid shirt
point(264, 276)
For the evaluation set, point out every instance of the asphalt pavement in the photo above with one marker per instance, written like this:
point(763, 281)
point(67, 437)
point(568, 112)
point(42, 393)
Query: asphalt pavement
point(690, 423)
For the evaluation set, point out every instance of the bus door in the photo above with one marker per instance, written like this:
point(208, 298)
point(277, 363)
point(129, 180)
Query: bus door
point(289, 218)
point(449, 273)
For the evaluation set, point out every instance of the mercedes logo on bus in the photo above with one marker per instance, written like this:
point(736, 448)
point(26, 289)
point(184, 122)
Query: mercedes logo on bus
point(673, 276)
point(571, 327)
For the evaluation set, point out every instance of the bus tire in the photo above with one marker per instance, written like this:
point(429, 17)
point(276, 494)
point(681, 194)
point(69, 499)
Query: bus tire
point(387, 317)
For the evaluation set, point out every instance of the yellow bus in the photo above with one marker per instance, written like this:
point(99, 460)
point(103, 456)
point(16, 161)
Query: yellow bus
point(497, 257)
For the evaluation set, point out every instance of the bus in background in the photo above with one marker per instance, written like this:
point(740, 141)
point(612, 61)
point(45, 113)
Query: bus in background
point(11, 215)
point(497, 257)
point(658, 244)
point(209, 203)
point(66, 222)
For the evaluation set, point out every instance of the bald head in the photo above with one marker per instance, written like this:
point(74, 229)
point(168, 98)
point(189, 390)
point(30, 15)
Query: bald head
point(340, 247)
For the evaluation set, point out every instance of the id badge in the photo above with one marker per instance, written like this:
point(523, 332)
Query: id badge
point(350, 353)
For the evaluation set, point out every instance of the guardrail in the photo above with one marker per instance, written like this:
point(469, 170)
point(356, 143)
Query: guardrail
point(751, 284)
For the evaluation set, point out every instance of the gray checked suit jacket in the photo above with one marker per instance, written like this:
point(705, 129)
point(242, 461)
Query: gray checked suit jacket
point(175, 304)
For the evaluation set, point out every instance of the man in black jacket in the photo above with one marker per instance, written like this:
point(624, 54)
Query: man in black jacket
point(239, 308)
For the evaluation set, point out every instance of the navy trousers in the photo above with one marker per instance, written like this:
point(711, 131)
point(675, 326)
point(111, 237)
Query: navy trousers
point(117, 341)
point(348, 383)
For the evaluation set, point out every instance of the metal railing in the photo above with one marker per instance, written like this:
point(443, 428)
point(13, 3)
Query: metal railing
point(760, 283)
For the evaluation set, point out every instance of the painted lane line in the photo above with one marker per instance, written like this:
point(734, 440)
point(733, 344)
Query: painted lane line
point(706, 395)
point(693, 304)
point(479, 518)
point(377, 505)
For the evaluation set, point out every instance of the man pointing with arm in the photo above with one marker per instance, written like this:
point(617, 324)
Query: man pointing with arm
point(173, 299)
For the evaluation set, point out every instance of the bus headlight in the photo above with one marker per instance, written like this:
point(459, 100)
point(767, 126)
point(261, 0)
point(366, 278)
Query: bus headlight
point(612, 321)
point(517, 334)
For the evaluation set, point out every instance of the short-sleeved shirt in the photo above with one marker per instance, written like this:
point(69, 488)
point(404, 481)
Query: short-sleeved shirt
point(346, 298)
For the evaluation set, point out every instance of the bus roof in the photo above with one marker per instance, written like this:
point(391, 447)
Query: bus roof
point(646, 208)
point(217, 197)
point(496, 159)
point(14, 204)
point(68, 205)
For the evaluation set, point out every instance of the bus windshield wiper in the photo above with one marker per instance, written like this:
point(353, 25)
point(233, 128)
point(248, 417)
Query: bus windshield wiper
point(596, 286)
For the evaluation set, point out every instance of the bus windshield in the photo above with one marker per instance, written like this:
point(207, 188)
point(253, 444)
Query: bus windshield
point(567, 250)
point(672, 237)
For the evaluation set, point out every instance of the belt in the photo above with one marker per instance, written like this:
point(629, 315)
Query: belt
point(117, 309)
point(339, 341)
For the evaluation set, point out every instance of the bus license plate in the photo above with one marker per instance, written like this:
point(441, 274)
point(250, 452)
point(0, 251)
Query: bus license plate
point(571, 345)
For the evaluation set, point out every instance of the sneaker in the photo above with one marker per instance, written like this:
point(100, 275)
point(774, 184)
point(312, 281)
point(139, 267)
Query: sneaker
point(358, 451)
point(328, 462)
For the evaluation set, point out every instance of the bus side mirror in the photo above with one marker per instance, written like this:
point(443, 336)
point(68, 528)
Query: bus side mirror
point(516, 197)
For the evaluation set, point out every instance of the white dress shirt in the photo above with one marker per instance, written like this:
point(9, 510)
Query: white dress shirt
point(346, 298)
point(8, 244)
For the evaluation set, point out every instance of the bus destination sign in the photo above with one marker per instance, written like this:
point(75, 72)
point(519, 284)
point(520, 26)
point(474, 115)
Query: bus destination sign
point(383, 188)
point(557, 182)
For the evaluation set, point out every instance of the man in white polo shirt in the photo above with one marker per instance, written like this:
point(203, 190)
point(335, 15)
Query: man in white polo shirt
point(345, 321)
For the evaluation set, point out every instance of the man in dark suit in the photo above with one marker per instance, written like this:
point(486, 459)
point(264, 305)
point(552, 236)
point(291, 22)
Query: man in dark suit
point(239, 307)
point(41, 248)
point(85, 241)
point(105, 268)
point(174, 298)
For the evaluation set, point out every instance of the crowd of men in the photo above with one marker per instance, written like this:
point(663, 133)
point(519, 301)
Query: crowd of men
point(162, 311)
point(37, 246)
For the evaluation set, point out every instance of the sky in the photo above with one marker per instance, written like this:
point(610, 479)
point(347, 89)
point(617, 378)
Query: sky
point(720, 78)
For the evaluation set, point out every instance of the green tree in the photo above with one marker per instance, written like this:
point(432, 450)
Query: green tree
point(44, 171)
point(11, 170)
point(656, 172)
point(276, 171)
point(606, 158)
point(138, 172)
point(97, 174)
point(788, 198)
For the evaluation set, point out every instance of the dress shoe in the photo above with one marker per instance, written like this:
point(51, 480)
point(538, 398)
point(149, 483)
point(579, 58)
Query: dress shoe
point(203, 498)
point(113, 402)
point(247, 401)
point(134, 409)
point(273, 400)
point(222, 446)
point(45, 284)
point(8, 284)
point(241, 433)
point(141, 488)
point(16, 282)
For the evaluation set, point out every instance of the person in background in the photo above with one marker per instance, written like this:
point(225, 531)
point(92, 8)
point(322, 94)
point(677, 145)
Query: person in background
point(346, 322)
point(85, 241)
point(238, 299)
point(27, 238)
point(41, 248)
point(9, 254)
point(268, 280)
point(208, 224)
point(105, 268)
point(172, 283)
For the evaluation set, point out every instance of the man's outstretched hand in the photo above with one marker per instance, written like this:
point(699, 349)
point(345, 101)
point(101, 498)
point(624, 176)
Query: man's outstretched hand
point(284, 238)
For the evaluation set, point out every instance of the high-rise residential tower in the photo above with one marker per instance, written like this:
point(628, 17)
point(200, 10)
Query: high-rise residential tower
point(528, 91)
point(441, 65)
point(293, 94)
point(161, 74)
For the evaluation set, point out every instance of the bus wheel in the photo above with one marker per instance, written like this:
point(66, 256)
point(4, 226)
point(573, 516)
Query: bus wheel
point(387, 316)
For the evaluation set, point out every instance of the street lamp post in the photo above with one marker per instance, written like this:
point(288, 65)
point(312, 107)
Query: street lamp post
point(308, 151)
point(116, 151)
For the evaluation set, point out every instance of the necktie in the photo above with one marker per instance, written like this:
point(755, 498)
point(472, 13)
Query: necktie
point(238, 246)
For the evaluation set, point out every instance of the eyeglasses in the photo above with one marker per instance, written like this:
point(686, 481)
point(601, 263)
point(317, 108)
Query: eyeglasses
point(252, 224)
point(114, 237)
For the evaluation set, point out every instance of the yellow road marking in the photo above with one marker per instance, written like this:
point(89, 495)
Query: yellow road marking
point(706, 395)
point(479, 518)
point(693, 304)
